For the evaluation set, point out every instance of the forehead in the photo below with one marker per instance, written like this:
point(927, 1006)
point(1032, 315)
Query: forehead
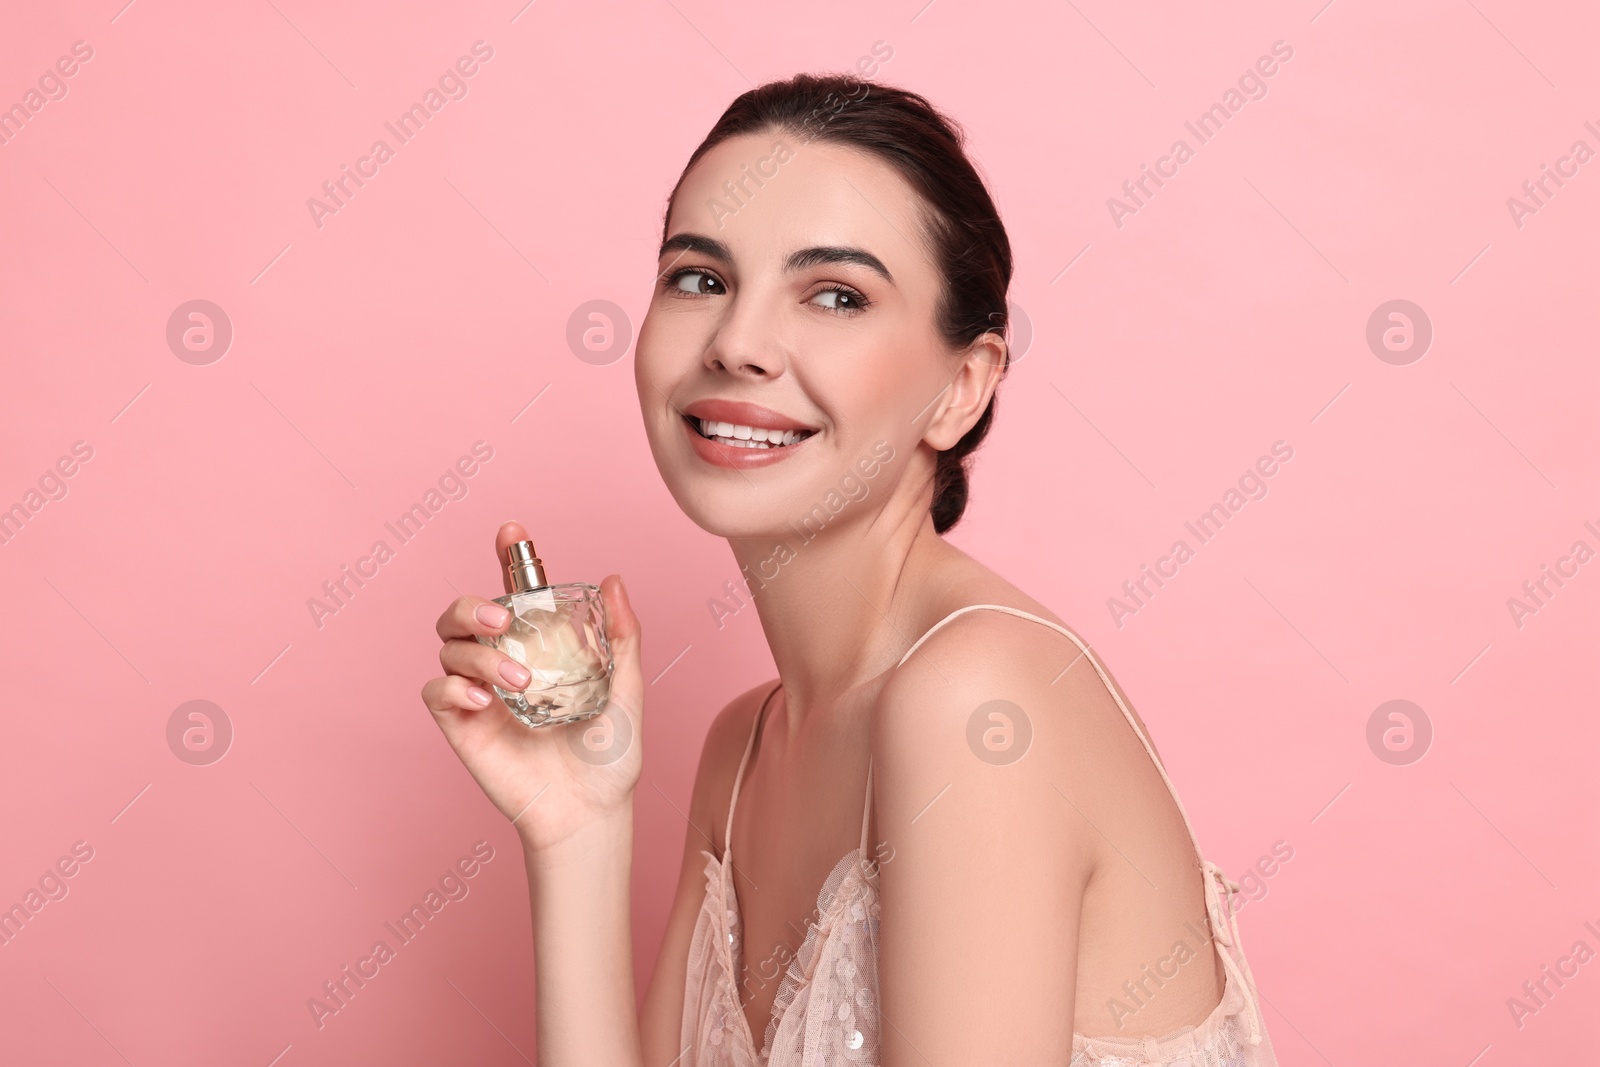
point(769, 193)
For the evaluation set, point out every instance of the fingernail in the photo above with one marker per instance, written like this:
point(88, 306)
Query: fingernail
point(478, 696)
point(492, 614)
point(515, 673)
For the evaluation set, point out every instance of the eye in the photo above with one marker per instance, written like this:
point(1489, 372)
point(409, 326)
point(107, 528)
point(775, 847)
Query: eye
point(841, 299)
point(697, 281)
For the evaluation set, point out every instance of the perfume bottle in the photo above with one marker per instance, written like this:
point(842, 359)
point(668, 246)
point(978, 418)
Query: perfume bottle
point(558, 632)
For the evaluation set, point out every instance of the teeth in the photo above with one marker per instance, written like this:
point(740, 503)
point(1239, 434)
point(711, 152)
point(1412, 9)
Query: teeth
point(728, 433)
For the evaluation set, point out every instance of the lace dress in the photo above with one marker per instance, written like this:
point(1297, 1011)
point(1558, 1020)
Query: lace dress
point(825, 1013)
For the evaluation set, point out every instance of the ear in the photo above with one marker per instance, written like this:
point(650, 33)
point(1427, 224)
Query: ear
point(961, 405)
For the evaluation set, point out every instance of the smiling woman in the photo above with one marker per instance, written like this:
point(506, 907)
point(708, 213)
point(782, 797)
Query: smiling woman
point(946, 214)
point(857, 306)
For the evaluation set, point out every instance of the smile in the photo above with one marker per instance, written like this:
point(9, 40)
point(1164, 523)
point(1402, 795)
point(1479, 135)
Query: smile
point(732, 434)
point(733, 446)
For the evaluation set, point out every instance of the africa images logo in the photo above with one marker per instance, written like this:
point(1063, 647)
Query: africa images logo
point(451, 85)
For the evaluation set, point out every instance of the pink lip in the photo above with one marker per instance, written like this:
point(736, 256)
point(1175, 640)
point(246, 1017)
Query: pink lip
point(733, 457)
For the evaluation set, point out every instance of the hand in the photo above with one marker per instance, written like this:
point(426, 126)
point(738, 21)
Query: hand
point(546, 780)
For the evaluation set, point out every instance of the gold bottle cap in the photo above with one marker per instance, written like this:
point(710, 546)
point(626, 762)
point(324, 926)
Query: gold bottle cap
point(525, 567)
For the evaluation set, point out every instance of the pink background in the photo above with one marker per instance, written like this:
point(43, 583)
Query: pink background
point(1229, 312)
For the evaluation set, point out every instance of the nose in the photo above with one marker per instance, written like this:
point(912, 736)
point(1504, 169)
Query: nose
point(748, 343)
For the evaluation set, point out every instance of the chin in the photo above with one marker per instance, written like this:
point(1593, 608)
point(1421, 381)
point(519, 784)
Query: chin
point(726, 502)
point(731, 511)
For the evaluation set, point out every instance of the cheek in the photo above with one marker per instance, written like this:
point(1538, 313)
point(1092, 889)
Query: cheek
point(655, 359)
point(892, 382)
point(672, 335)
point(666, 352)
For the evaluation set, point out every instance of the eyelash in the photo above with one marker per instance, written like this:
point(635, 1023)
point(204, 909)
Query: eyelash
point(862, 303)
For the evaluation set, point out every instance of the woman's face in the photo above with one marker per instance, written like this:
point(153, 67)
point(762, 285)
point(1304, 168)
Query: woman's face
point(796, 301)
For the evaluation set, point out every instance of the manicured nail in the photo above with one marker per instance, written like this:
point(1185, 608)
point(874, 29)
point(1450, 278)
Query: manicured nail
point(477, 696)
point(515, 673)
point(492, 615)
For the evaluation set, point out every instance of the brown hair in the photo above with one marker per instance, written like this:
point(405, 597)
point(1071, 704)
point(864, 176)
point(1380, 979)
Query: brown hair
point(926, 149)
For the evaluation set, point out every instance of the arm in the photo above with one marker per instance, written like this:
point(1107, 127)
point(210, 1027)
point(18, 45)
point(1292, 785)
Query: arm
point(574, 819)
point(578, 893)
point(575, 822)
point(980, 907)
point(583, 948)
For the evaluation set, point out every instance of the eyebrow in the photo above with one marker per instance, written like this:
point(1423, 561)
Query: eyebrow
point(805, 257)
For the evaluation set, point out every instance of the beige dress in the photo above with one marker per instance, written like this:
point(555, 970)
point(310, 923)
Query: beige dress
point(826, 1009)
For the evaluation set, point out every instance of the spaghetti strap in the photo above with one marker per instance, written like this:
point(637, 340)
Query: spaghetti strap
point(866, 810)
point(738, 778)
point(1105, 679)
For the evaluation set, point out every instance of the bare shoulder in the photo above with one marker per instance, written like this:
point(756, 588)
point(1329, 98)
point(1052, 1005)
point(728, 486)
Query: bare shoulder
point(719, 761)
point(730, 729)
point(1014, 713)
point(978, 767)
point(981, 658)
point(982, 655)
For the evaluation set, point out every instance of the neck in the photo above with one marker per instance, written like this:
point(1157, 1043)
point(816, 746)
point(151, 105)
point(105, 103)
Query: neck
point(840, 606)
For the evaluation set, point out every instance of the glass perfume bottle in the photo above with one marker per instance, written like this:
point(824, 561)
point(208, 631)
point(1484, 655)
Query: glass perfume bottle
point(558, 632)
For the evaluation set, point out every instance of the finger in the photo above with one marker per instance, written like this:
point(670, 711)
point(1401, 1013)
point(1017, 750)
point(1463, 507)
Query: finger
point(623, 632)
point(472, 616)
point(454, 694)
point(478, 662)
point(622, 625)
point(510, 533)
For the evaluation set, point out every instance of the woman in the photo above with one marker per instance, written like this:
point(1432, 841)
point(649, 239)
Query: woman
point(819, 359)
